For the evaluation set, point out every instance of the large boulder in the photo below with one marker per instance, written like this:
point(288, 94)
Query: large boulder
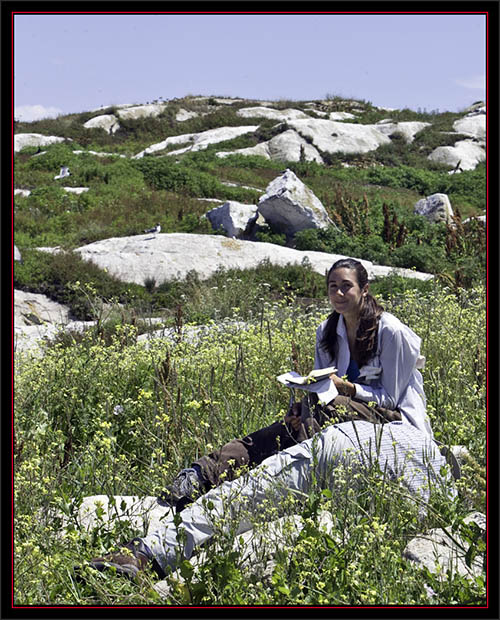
point(235, 218)
point(141, 111)
point(21, 140)
point(464, 155)
point(289, 206)
point(337, 137)
point(408, 129)
point(473, 125)
point(286, 146)
point(277, 115)
point(198, 141)
point(108, 122)
point(166, 257)
point(435, 208)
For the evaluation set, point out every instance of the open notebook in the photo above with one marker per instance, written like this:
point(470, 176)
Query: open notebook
point(316, 381)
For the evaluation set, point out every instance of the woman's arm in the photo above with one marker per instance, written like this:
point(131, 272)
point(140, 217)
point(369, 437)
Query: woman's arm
point(399, 351)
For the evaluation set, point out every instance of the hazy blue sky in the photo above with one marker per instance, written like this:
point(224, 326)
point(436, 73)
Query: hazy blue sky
point(75, 63)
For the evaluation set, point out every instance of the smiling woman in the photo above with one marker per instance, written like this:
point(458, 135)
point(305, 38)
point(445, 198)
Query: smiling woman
point(378, 417)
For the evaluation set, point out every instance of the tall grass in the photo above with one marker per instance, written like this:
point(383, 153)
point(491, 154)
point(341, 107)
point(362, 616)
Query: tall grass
point(179, 399)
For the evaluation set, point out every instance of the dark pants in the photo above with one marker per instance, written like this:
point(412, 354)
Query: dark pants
point(250, 451)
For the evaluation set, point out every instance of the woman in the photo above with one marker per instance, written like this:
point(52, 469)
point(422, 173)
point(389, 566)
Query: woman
point(378, 355)
point(379, 415)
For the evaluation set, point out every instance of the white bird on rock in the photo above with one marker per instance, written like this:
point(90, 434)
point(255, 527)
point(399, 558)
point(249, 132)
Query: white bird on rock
point(154, 230)
point(64, 173)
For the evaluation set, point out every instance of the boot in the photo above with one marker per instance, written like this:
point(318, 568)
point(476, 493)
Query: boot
point(186, 487)
point(132, 558)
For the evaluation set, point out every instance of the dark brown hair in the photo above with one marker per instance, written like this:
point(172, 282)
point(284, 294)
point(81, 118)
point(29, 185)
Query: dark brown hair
point(366, 335)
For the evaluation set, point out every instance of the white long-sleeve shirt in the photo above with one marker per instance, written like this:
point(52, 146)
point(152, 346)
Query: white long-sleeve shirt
point(391, 378)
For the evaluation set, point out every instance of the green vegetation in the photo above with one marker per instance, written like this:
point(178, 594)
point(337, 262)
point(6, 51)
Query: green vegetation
point(69, 444)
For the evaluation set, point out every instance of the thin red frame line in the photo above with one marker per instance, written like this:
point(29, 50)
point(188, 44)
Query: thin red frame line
point(486, 14)
point(250, 13)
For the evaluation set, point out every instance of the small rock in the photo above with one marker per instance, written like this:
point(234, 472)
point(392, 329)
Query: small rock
point(76, 190)
point(435, 208)
point(234, 217)
point(439, 552)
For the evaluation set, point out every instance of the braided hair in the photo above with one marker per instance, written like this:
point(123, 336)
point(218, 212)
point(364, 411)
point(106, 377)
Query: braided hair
point(366, 335)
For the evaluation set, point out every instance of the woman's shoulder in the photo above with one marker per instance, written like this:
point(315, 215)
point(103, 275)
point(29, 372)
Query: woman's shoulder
point(388, 323)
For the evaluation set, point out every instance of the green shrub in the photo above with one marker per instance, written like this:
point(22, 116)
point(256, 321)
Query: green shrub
point(56, 275)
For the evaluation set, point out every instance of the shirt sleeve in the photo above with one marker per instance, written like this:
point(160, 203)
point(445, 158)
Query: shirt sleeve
point(321, 356)
point(399, 351)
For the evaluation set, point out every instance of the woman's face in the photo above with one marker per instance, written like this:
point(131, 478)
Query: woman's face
point(344, 291)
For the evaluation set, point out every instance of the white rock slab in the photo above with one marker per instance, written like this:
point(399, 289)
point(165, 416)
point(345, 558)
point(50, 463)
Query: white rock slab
point(466, 154)
point(166, 257)
point(31, 337)
point(474, 126)
point(407, 128)
point(144, 514)
point(141, 111)
point(276, 115)
point(341, 116)
point(76, 190)
point(227, 100)
point(286, 146)
point(198, 141)
point(40, 306)
point(290, 206)
point(185, 115)
point(480, 218)
point(235, 218)
point(99, 154)
point(337, 137)
point(108, 122)
point(439, 552)
point(229, 184)
point(22, 140)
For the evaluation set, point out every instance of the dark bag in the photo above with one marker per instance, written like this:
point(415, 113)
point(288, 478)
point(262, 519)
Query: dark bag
point(341, 409)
